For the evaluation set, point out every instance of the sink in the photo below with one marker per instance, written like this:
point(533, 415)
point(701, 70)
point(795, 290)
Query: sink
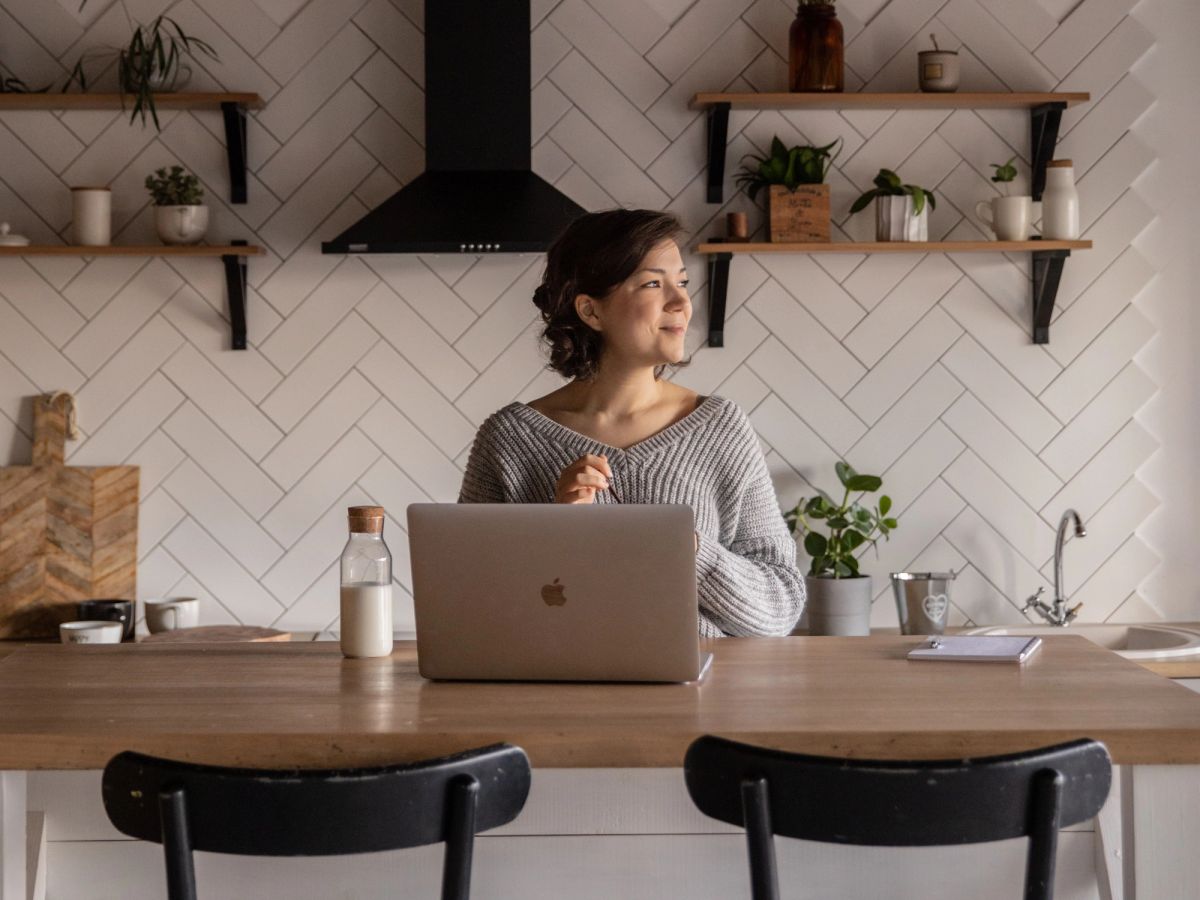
point(1130, 641)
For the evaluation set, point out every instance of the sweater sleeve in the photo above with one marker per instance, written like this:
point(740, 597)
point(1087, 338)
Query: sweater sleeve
point(482, 481)
point(751, 586)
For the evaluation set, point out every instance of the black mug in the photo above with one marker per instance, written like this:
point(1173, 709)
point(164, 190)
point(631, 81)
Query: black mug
point(109, 611)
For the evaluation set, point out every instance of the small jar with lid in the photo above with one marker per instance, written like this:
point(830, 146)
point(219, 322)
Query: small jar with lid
point(1060, 202)
point(366, 598)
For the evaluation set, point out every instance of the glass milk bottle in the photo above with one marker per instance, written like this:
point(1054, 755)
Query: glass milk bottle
point(1060, 202)
point(366, 586)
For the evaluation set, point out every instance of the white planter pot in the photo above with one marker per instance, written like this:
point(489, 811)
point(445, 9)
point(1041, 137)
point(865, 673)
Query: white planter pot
point(91, 224)
point(839, 606)
point(896, 221)
point(180, 224)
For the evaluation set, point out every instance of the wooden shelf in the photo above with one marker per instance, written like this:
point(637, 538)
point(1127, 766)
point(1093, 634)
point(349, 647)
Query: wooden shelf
point(133, 250)
point(233, 255)
point(176, 100)
point(232, 106)
point(905, 100)
point(1048, 258)
point(893, 247)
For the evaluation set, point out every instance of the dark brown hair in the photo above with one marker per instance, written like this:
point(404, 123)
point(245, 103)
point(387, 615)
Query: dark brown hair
point(596, 252)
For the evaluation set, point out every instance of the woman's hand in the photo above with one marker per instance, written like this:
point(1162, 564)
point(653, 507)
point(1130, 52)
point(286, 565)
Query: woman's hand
point(580, 480)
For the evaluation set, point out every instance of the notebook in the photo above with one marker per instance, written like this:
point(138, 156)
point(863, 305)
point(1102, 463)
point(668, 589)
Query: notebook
point(977, 648)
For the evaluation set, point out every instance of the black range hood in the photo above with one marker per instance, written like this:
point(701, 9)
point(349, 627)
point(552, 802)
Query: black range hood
point(478, 193)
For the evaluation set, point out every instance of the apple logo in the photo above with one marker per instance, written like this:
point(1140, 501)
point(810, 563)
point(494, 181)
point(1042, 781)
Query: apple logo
point(553, 594)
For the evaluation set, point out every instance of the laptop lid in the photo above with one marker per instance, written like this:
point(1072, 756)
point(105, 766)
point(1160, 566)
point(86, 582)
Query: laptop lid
point(557, 592)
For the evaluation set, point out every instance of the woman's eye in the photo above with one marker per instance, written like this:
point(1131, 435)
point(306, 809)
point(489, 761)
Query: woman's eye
point(655, 283)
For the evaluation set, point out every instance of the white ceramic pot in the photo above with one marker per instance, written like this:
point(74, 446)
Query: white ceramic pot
point(937, 70)
point(91, 223)
point(839, 606)
point(896, 221)
point(180, 224)
point(1009, 218)
point(1060, 202)
point(90, 632)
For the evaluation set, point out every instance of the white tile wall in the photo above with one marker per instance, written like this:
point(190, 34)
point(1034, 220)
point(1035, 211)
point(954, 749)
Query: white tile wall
point(366, 379)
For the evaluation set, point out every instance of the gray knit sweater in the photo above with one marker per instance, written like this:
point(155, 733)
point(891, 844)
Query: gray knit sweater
point(746, 574)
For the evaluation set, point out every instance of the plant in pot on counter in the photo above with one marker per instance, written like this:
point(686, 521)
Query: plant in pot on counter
point(151, 63)
point(1009, 217)
point(839, 596)
point(797, 196)
point(179, 216)
point(901, 210)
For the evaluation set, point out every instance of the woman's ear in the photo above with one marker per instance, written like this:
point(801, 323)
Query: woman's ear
point(585, 307)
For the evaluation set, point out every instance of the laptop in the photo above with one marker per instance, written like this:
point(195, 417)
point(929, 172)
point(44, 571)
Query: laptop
point(555, 592)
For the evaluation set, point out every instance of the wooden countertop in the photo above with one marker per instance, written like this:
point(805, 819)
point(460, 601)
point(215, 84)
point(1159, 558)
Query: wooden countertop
point(302, 704)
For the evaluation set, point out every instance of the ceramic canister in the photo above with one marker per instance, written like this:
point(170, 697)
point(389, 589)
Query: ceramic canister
point(937, 70)
point(91, 225)
point(1060, 202)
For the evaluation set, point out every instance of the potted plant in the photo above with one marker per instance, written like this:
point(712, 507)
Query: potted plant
point(152, 62)
point(839, 596)
point(901, 210)
point(179, 217)
point(1009, 216)
point(797, 198)
point(816, 49)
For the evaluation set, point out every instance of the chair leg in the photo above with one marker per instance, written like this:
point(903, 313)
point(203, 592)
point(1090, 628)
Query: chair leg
point(177, 845)
point(460, 838)
point(1046, 811)
point(756, 812)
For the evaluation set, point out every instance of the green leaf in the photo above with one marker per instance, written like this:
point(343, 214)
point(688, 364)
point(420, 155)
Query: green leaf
point(839, 522)
point(844, 472)
point(918, 196)
point(851, 563)
point(842, 569)
point(890, 523)
point(815, 544)
point(862, 202)
point(885, 503)
point(887, 180)
point(853, 540)
point(865, 483)
point(932, 199)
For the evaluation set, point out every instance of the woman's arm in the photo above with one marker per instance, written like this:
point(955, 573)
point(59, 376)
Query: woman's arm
point(481, 481)
point(751, 586)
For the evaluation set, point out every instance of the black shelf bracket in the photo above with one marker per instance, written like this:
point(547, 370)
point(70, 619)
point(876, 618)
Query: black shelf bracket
point(235, 147)
point(1044, 121)
point(718, 289)
point(718, 133)
point(235, 290)
point(1047, 272)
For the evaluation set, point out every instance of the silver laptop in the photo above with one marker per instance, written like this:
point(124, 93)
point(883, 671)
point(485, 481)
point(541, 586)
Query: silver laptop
point(555, 592)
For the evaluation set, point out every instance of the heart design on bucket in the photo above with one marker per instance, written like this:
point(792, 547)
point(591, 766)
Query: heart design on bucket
point(935, 606)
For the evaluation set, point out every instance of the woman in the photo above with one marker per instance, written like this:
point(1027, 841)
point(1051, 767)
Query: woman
point(615, 302)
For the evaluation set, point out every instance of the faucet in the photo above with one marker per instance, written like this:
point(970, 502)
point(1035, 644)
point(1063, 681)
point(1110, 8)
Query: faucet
point(1058, 614)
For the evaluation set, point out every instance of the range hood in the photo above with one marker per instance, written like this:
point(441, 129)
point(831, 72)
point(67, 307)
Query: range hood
point(478, 193)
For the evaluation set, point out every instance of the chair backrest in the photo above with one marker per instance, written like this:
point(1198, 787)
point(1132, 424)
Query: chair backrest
point(898, 803)
point(310, 812)
point(306, 812)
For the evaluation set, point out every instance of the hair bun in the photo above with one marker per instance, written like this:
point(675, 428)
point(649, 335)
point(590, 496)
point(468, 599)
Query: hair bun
point(541, 297)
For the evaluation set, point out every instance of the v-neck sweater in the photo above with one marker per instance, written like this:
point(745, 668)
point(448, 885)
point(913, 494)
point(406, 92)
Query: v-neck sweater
point(746, 577)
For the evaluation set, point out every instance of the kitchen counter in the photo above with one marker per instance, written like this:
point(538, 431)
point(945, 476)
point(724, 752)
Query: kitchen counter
point(302, 704)
point(608, 795)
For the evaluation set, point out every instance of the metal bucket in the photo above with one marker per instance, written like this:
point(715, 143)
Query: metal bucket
point(922, 601)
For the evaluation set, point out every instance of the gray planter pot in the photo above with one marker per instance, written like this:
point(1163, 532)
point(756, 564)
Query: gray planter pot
point(839, 606)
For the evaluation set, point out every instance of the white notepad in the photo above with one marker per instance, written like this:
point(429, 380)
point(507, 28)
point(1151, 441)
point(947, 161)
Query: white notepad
point(977, 648)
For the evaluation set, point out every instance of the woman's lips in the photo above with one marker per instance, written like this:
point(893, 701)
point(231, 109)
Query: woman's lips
point(675, 329)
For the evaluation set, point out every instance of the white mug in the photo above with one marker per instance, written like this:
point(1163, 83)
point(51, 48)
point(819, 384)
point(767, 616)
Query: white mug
point(170, 613)
point(1009, 218)
point(90, 632)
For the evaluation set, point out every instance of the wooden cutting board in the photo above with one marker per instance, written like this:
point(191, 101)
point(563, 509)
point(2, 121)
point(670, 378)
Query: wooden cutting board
point(67, 533)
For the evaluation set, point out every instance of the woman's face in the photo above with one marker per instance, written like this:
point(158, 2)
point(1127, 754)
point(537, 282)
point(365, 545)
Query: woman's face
point(644, 319)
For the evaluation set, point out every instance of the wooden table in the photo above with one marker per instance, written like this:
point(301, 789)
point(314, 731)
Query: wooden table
point(302, 704)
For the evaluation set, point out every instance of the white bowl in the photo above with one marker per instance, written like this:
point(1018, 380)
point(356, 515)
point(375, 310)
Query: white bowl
point(90, 632)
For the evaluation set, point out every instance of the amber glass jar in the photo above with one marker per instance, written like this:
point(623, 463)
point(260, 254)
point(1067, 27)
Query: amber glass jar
point(816, 50)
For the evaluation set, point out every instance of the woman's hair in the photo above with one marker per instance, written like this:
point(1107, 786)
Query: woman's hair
point(596, 252)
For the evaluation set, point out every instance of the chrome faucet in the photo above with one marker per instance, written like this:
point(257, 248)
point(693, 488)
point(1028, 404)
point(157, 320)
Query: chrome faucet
point(1058, 614)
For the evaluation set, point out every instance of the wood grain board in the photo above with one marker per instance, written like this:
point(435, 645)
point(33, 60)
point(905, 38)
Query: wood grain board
point(217, 634)
point(302, 704)
point(67, 533)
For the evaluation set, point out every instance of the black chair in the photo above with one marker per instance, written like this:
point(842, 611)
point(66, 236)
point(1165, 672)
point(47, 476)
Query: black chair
point(888, 803)
point(304, 812)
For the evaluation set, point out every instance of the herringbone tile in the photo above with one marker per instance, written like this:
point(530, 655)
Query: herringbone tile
point(367, 377)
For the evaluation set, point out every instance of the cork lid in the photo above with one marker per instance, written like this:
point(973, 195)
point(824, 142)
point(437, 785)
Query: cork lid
point(1060, 164)
point(366, 519)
